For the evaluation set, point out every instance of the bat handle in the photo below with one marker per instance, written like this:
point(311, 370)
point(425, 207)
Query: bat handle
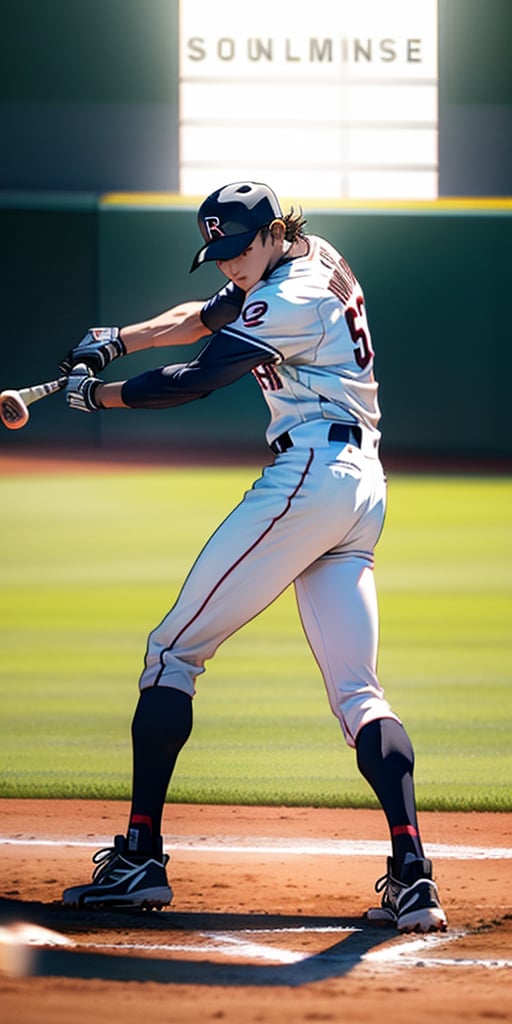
point(38, 391)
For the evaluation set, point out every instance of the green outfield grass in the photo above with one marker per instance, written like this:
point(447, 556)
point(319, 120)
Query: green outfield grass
point(91, 561)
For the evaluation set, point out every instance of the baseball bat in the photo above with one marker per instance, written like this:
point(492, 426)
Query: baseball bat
point(14, 404)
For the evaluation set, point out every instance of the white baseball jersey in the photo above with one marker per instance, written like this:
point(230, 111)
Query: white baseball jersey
point(310, 315)
point(303, 333)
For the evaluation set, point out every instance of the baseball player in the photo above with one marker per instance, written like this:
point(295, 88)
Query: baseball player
point(293, 315)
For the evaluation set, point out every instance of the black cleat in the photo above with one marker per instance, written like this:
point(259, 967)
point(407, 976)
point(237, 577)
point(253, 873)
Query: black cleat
point(120, 880)
point(411, 902)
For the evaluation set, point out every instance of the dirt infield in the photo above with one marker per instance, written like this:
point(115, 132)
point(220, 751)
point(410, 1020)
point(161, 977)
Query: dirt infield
point(266, 924)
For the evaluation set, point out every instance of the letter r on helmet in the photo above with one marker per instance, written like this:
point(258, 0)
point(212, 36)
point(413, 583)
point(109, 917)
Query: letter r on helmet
point(212, 225)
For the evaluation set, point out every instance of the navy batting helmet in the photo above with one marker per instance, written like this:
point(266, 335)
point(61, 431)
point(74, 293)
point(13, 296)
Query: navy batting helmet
point(231, 217)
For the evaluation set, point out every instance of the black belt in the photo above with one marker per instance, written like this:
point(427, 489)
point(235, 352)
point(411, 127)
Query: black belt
point(337, 432)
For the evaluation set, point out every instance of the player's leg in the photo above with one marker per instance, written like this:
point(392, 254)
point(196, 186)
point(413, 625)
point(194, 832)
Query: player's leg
point(385, 758)
point(282, 524)
point(132, 873)
point(249, 560)
point(161, 726)
point(338, 608)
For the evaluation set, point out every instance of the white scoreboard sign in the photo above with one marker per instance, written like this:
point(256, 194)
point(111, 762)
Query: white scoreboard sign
point(326, 99)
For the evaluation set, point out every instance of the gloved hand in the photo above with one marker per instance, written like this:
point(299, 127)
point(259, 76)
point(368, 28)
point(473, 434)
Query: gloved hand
point(80, 389)
point(97, 349)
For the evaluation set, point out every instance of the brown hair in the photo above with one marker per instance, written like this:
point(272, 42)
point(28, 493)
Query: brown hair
point(293, 223)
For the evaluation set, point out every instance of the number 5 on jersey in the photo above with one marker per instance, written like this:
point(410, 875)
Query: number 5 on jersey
point(359, 332)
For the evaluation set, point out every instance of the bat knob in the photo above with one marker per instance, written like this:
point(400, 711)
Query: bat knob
point(13, 411)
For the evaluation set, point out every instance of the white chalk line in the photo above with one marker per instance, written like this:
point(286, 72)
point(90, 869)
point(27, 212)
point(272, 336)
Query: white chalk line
point(408, 953)
point(280, 847)
point(227, 943)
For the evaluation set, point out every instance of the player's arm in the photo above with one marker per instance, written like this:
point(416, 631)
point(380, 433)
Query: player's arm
point(186, 323)
point(224, 359)
point(180, 325)
point(183, 324)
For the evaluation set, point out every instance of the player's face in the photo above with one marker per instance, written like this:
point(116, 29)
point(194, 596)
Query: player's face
point(248, 268)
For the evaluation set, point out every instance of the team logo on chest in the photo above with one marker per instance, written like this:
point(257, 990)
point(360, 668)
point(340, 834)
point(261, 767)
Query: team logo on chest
point(253, 314)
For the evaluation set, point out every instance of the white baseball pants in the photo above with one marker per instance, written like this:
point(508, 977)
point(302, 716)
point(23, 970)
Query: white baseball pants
point(312, 519)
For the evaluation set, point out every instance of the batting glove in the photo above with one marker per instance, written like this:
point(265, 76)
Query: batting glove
point(97, 349)
point(81, 388)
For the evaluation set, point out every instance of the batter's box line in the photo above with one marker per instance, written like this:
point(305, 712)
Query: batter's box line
point(405, 953)
point(229, 944)
point(280, 847)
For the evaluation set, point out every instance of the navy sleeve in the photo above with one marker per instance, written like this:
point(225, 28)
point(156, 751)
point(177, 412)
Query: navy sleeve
point(224, 359)
point(223, 307)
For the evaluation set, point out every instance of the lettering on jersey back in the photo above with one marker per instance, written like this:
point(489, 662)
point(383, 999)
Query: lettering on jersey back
point(342, 281)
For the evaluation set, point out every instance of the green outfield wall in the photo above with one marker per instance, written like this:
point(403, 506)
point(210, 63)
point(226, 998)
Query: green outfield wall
point(436, 277)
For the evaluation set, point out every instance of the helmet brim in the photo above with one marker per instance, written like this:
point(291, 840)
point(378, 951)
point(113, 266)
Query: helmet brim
point(225, 248)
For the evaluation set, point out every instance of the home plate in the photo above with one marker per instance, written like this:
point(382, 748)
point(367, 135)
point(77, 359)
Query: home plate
point(19, 942)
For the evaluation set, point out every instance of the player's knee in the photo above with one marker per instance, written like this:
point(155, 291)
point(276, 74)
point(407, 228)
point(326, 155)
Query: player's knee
point(356, 709)
point(168, 669)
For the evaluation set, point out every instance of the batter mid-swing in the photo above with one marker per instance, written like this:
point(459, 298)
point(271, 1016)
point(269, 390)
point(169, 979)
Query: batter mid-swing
point(294, 315)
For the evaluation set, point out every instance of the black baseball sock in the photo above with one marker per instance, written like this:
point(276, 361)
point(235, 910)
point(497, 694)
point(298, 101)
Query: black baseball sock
point(161, 726)
point(386, 759)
